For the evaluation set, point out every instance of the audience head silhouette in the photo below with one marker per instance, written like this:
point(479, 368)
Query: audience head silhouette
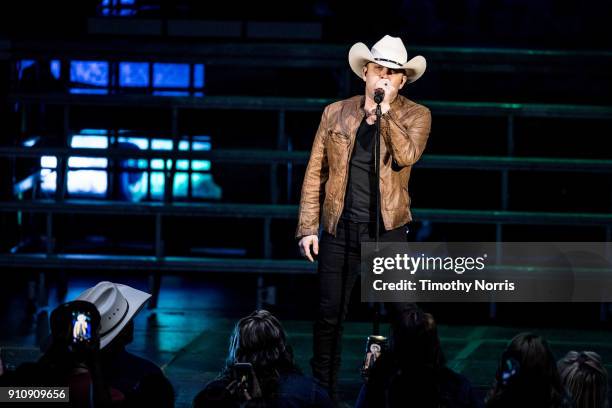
point(585, 378)
point(527, 375)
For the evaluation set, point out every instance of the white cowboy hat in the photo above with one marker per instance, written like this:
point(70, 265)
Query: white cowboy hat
point(388, 52)
point(117, 305)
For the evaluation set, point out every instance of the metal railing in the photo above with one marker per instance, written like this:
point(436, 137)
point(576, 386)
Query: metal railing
point(282, 105)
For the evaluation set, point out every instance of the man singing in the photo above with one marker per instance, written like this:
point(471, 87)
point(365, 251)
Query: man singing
point(339, 190)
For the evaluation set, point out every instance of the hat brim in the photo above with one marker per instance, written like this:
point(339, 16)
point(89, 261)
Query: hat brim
point(359, 55)
point(136, 300)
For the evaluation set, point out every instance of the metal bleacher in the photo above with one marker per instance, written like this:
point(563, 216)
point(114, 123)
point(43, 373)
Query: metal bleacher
point(332, 57)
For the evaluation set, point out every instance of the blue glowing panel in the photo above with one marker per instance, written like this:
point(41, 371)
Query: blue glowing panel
point(89, 91)
point(116, 12)
point(23, 64)
point(198, 76)
point(182, 164)
point(141, 164)
point(87, 162)
point(157, 164)
point(48, 162)
point(134, 74)
point(55, 68)
point(161, 144)
point(30, 142)
point(201, 143)
point(87, 182)
point(93, 132)
point(89, 142)
point(116, 7)
point(167, 75)
point(200, 165)
point(89, 72)
point(48, 180)
point(171, 93)
point(201, 146)
point(157, 185)
point(180, 184)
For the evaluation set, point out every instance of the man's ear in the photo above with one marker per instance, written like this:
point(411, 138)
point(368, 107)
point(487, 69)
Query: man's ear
point(404, 80)
point(364, 70)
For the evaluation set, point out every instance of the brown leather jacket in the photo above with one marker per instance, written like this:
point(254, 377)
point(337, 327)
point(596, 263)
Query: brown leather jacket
point(404, 132)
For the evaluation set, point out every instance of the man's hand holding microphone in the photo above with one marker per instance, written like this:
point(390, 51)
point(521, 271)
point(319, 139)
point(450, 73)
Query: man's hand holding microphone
point(383, 94)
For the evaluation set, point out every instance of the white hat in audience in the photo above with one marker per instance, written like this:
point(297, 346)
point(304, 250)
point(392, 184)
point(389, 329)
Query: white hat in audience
point(117, 305)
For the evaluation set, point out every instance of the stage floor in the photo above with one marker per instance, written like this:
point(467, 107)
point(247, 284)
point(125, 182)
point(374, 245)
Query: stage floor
point(187, 335)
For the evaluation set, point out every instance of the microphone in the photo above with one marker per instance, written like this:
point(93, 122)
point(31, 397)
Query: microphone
point(379, 95)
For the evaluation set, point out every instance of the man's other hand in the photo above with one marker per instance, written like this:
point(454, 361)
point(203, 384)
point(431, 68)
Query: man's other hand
point(305, 243)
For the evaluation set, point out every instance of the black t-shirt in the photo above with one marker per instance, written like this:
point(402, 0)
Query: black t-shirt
point(360, 199)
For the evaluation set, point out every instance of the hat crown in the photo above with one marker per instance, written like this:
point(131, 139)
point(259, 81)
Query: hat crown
point(391, 49)
point(109, 301)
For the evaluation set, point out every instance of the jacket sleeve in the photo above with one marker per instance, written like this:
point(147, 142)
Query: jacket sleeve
point(407, 143)
point(313, 188)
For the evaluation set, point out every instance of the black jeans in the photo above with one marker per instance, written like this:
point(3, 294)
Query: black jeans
point(339, 268)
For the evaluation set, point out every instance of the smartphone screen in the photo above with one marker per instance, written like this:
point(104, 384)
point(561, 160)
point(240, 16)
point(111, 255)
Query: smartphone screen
point(243, 373)
point(81, 327)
